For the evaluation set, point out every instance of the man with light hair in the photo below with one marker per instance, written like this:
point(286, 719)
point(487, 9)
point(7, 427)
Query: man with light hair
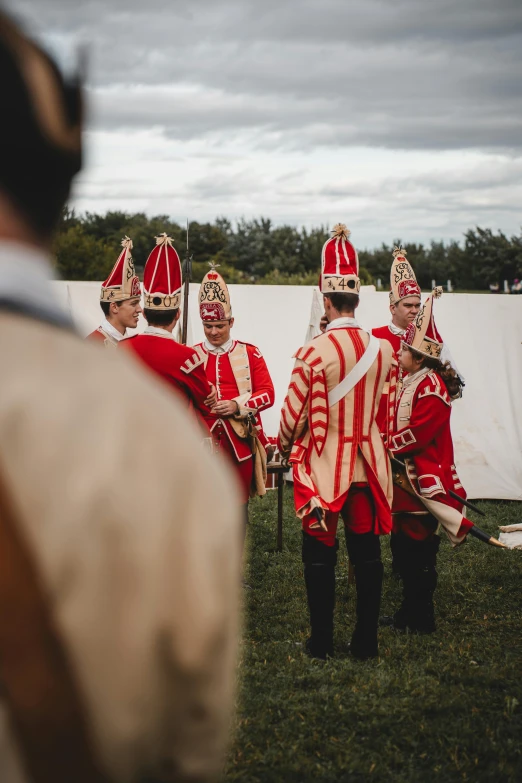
point(120, 546)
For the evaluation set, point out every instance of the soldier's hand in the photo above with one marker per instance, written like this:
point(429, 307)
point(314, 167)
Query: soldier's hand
point(320, 517)
point(323, 323)
point(225, 408)
point(212, 397)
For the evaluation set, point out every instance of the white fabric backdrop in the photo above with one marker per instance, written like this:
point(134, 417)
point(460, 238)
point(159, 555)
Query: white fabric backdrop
point(484, 333)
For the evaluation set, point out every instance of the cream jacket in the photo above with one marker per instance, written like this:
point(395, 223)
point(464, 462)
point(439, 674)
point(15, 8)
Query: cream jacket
point(138, 539)
point(330, 447)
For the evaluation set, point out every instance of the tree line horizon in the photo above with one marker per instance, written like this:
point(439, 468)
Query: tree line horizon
point(258, 252)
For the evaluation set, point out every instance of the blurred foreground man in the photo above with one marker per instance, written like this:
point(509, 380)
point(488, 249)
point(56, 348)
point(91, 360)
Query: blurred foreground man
point(329, 433)
point(119, 545)
point(120, 300)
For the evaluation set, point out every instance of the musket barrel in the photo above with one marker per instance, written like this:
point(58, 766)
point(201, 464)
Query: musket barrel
point(188, 274)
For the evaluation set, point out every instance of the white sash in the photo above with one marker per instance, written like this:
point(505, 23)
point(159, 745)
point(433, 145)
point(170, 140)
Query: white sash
point(356, 373)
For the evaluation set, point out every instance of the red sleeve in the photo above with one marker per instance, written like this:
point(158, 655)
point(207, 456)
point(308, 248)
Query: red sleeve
point(263, 395)
point(430, 414)
point(198, 388)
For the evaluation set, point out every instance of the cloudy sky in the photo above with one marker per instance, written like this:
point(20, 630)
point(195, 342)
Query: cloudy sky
point(402, 118)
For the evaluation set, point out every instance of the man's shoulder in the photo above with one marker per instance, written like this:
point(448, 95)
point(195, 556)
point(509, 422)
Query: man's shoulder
point(97, 335)
point(86, 397)
point(186, 356)
point(251, 349)
point(432, 385)
point(191, 356)
point(76, 367)
point(383, 332)
point(312, 352)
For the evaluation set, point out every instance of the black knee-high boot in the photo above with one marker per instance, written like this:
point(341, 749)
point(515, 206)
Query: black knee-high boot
point(365, 554)
point(396, 553)
point(319, 572)
point(419, 578)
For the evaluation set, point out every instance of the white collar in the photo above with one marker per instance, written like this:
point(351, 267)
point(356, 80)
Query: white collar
point(25, 279)
point(158, 331)
point(343, 322)
point(225, 348)
point(416, 375)
point(395, 329)
point(109, 329)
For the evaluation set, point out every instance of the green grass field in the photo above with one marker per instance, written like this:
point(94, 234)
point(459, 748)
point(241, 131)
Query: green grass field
point(445, 707)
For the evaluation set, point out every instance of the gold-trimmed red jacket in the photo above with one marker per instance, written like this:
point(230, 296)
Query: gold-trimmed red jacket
point(422, 440)
point(239, 373)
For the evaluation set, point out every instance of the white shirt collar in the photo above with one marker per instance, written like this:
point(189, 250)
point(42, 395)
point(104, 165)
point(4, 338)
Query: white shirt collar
point(225, 348)
point(411, 378)
point(157, 330)
point(343, 322)
point(395, 329)
point(109, 329)
point(25, 279)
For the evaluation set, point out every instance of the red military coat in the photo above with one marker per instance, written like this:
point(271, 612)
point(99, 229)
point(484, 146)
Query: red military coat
point(386, 412)
point(422, 440)
point(240, 373)
point(100, 336)
point(180, 365)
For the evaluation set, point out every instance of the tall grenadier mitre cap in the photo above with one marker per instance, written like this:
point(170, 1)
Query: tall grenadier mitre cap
point(422, 334)
point(122, 282)
point(162, 276)
point(214, 298)
point(339, 264)
point(403, 282)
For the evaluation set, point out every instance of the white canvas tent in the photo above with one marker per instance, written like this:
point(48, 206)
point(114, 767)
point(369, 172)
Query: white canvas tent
point(484, 333)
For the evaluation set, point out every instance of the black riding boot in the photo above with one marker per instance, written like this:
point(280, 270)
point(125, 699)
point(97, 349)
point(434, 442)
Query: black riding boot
point(365, 554)
point(319, 572)
point(419, 577)
point(396, 553)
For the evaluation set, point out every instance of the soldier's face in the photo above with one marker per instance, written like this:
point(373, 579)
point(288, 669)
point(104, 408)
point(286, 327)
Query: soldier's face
point(405, 311)
point(218, 332)
point(129, 312)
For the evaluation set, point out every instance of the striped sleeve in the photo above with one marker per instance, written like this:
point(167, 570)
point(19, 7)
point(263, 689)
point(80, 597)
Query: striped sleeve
point(294, 414)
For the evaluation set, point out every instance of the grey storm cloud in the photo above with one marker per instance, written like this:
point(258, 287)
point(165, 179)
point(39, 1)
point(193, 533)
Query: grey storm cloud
point(396, 74)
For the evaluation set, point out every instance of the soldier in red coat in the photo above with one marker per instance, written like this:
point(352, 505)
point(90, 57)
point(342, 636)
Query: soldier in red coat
point(120, 300)
point(243, 385)
point(179, 365)
point(405, 299)
point(340, 466)
point(422, 441)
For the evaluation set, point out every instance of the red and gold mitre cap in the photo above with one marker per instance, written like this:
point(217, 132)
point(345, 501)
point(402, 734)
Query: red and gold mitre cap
point(403, 282)
point(339, 264)
point(162, 276)
point(422, 334)
point(122, 282)
point(214, 299)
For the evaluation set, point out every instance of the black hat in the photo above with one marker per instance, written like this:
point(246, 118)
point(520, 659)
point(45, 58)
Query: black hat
point(40, 131)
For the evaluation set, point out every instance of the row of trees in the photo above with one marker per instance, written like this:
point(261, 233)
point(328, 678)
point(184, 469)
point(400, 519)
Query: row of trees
point(256, 251)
